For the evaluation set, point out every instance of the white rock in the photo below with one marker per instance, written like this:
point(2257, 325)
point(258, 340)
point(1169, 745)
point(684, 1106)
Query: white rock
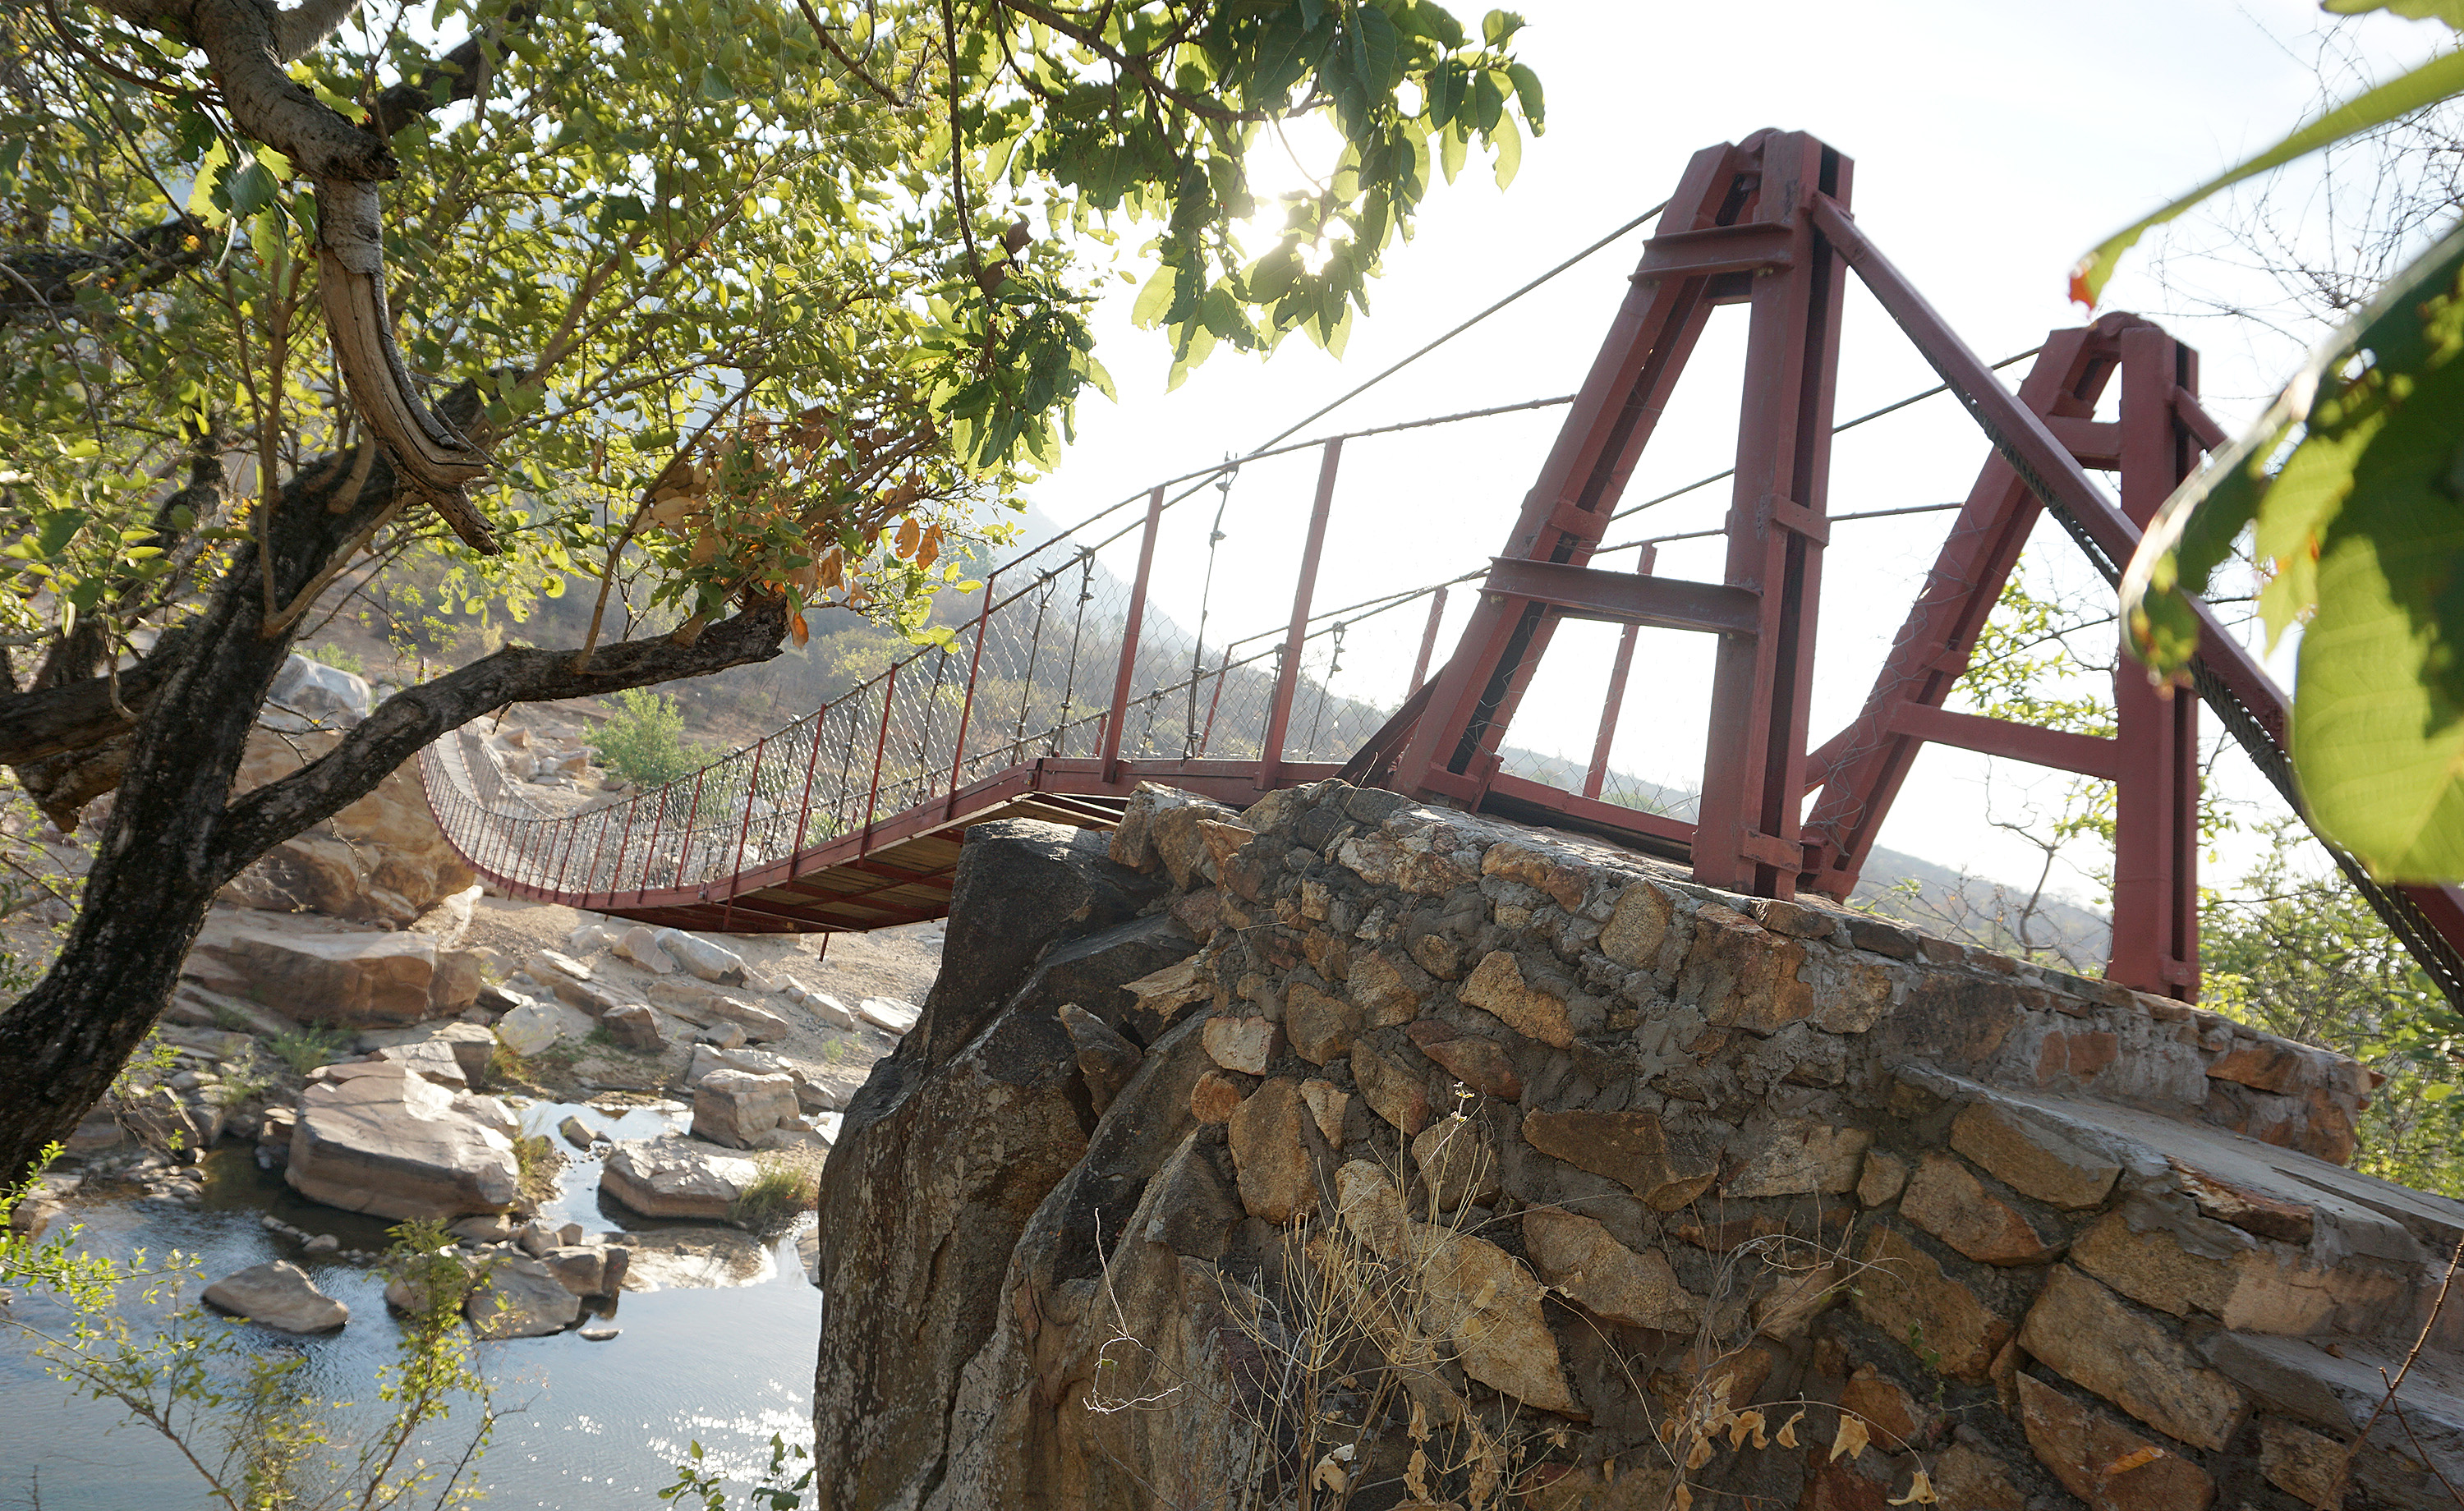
point(434, 1060)
point(711, 962)
point(489, 1113)
point(671, 1177)
point(788, 1139)
point(309, 695)
point(708, 1057)
point(591, 937)
point(833, 1012)
point(735, 1109)
point(281, 1296)
point(889, 1014)
point(695, 1257)
point(549, 964)
point(532, 1028)
point(641, 946)
point(520, 1299)
point(759, 1023)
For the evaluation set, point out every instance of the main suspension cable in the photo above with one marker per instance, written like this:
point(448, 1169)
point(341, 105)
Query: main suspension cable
point(1892, 407)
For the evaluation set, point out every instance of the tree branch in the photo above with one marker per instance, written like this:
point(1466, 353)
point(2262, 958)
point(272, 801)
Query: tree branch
point(416, 716)
point(56, 720)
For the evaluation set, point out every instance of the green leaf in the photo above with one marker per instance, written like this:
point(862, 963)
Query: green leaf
point(1375, 50)
point(1507, 143)
point(56, 529)
point(251, 189)
point(2362, 532)
point(2451, 11)
point(715, 84)
point(1535, 109)
point(1156, 298)
point(2431, 83)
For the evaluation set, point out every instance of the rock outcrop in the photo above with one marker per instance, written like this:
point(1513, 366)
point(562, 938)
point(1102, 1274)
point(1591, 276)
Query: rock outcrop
point(1615, 1184)
point(352, 981)
point(377, 1137)
point(380, 859)
point(925, 1237)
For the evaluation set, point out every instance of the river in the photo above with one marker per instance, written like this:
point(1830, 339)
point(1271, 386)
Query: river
point(593, 1425)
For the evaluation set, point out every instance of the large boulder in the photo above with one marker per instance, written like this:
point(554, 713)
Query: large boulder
point(278, 1296)
point(393, 1142)
point(351, 980)
point(735, 1108)
point(520, 1299)
point(672, 1177)
point(380, 859)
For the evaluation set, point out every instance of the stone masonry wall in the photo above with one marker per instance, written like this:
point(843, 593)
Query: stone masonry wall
point(1590, 1188)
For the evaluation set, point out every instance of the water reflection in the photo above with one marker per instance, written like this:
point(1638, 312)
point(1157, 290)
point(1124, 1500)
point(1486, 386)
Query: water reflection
point(725, 1366)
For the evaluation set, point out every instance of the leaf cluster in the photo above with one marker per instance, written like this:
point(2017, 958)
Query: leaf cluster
point(2348, 487)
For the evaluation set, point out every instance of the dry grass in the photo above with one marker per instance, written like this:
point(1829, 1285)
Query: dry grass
point(1336, 1371)
point(788, 1186)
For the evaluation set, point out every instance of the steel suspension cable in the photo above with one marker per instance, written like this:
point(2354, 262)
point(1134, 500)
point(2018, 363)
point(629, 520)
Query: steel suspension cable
point(1893, 407)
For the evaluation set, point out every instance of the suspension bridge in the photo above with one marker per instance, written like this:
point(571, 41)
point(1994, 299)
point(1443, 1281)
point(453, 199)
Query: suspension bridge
point(1070, 684)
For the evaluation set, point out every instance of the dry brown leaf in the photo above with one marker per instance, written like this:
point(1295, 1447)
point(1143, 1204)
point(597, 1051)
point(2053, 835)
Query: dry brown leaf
point(1852, 1439)
point(1747, 1422)
point(1920, 1491)
point(1683, 1500)
point(1788, 1431)
point(1701, 1453)
point(2146, 1453)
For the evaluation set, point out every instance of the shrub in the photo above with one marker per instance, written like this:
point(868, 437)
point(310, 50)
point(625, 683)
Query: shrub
point(643, 742)
point(308, 1048)
point(537, 1157)
point(339, 658)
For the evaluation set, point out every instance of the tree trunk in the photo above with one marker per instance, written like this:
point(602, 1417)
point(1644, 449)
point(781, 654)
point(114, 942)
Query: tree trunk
point(175, 835)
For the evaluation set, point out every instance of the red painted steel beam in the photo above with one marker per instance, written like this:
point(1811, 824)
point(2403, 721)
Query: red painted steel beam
point(2088, 754)
point(2156, 802)
point(1745, 837)
point(1563, 516)
point(1861, 769)
point(1120, 705)
point(2039, 459)
point(1627, 598)
point(1279, 714)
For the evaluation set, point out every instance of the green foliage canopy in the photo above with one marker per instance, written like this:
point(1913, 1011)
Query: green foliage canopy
point(816, 276)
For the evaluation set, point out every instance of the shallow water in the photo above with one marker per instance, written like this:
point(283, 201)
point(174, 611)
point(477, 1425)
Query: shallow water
point(594, 1424)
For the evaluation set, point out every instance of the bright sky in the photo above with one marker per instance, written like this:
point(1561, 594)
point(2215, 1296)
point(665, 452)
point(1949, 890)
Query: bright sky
point(1993, 143)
